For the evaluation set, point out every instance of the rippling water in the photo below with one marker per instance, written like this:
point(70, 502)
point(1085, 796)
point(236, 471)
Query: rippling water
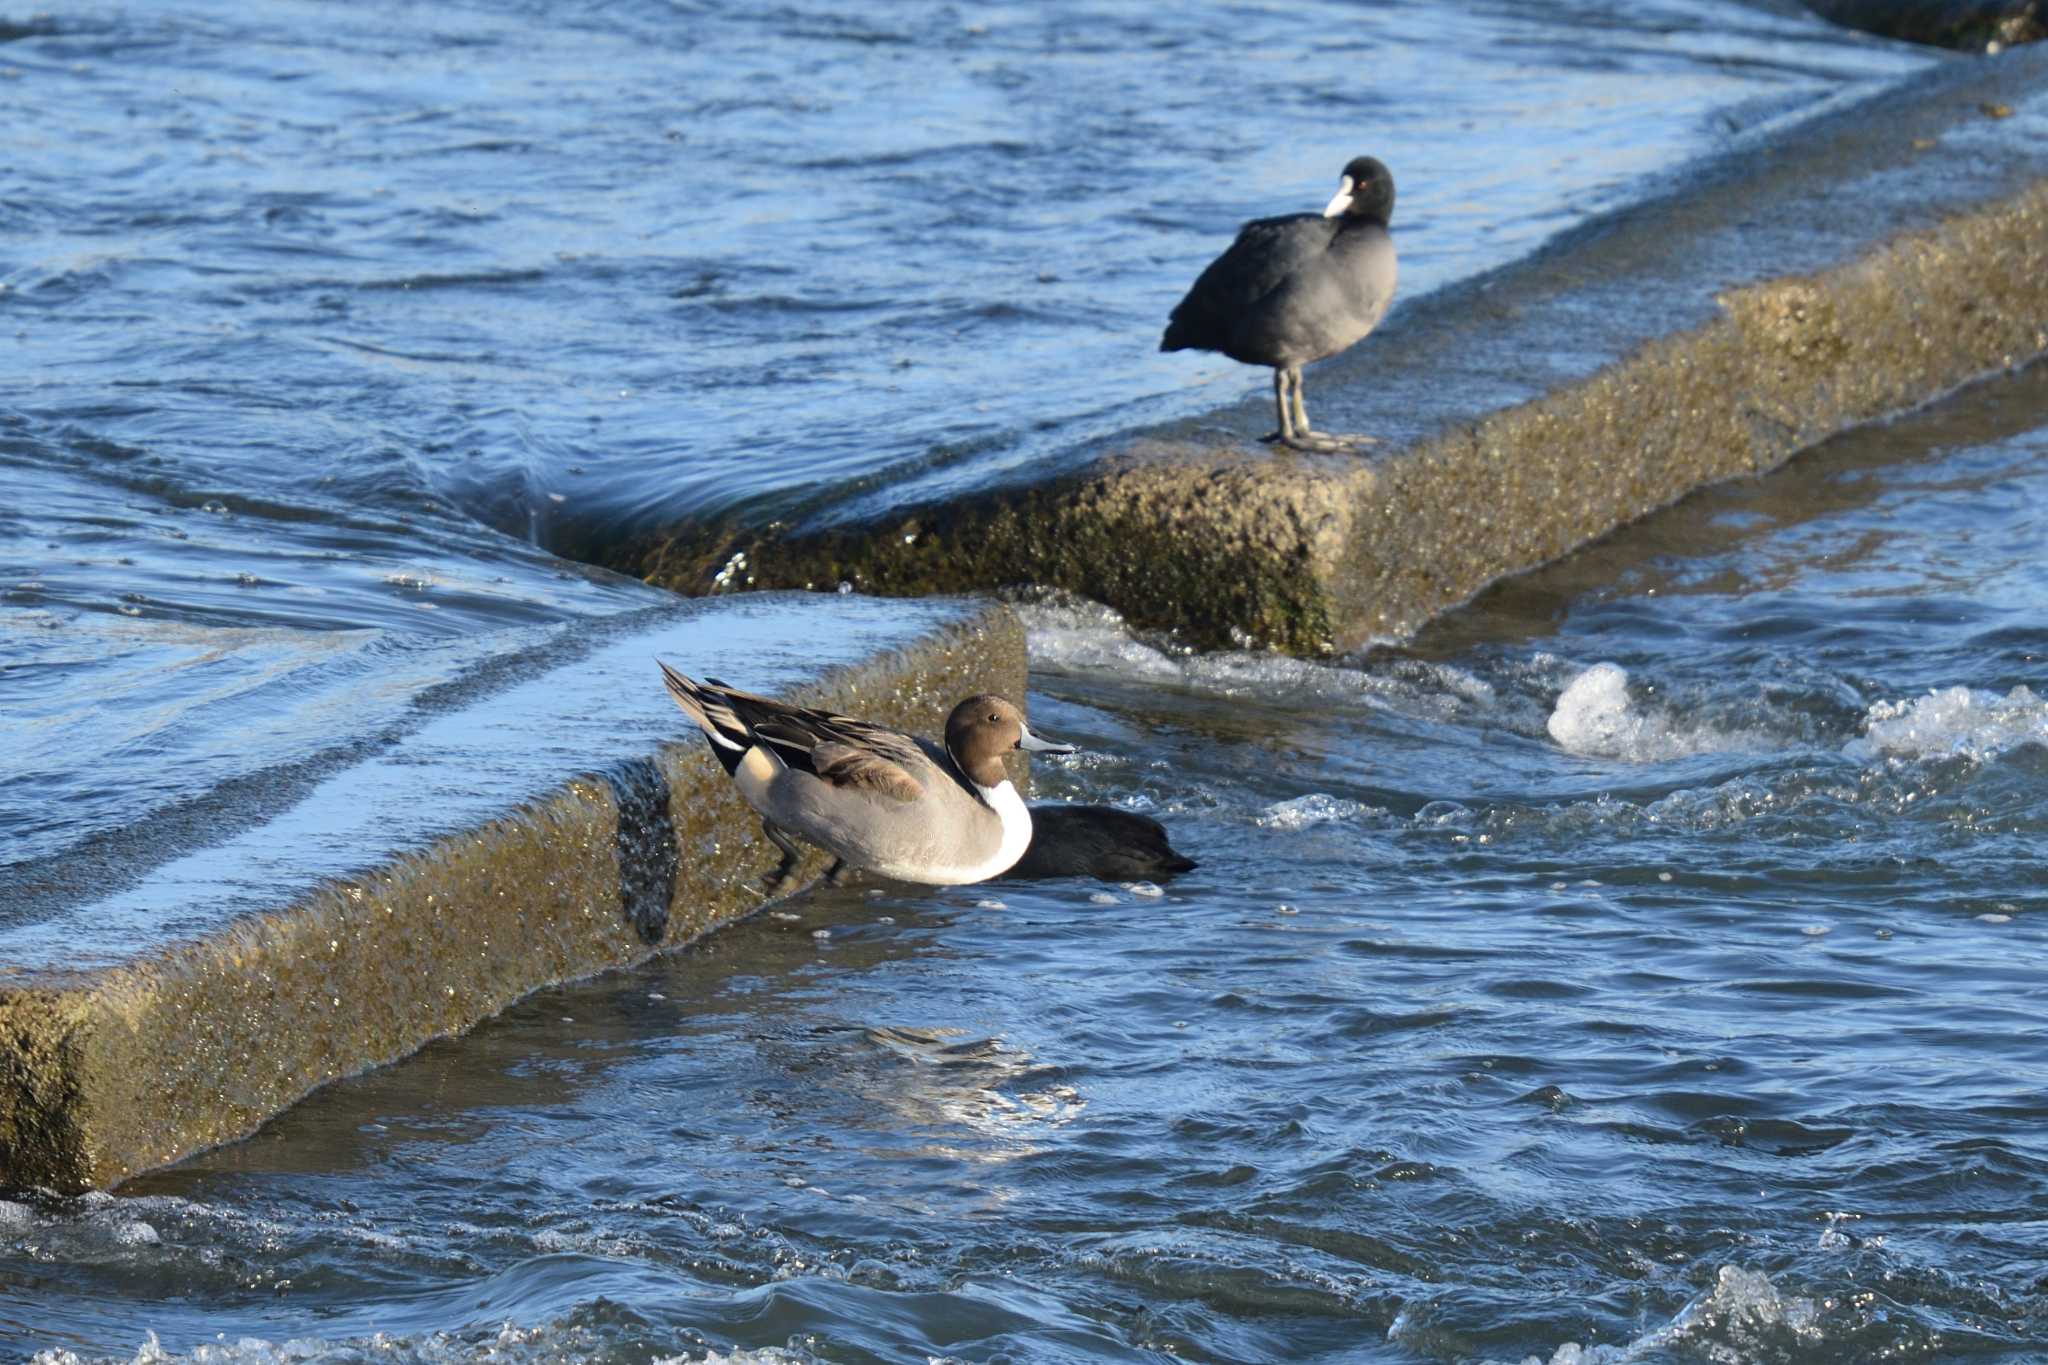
point(1642, 967)
point(553, 263)
point(1646, 960)
point(316, 319)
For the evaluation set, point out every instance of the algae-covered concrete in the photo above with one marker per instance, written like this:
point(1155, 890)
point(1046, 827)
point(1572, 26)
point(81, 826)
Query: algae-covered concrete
point(181, 1012)
point(1973, 25)
point(1811, 279)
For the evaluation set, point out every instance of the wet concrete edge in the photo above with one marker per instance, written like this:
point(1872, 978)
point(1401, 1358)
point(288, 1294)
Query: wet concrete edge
point(1229, 546)
point(104, 1075)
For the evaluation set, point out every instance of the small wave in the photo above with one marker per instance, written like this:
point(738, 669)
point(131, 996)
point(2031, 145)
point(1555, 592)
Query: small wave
point(509, 1344)
point(474, 279)
point(786, 303)
point(35, 26)
point(969, 152)
point(1074, 635)
point(1953, 722)
point(1315, 809)
point(1079, 636)
point(1597, 717)
point(1742, 1317)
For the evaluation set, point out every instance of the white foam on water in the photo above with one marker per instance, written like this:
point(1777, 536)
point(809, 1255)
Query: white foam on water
point(1078, 636)
point(1596, 716)
point(510, 1345)
point(1833, 1237)
point(1953, 722)
point(1743, 1318)
point(1085, 637)
point(1316, 808)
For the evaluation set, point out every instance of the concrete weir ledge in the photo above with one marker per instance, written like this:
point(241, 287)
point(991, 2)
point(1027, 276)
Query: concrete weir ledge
point(1809, 279)
point(434, 880)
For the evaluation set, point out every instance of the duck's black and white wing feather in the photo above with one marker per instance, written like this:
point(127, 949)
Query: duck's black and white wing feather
point(837, 749)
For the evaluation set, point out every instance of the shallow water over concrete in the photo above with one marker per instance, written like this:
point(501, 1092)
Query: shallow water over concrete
point(446, 760)
point(314, 319)
point(1647, 959)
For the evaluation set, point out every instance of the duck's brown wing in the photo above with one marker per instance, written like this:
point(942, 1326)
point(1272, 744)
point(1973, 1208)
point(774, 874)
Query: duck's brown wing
point(844, 765)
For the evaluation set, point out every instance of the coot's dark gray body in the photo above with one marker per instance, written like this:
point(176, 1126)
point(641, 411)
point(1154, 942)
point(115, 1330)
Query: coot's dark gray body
point(1297, 289)
point(1097, 841)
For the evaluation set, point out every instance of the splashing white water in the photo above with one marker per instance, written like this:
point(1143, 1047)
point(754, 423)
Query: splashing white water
point(1315, 809)
point(1741, 1320)
point(1597, 717)
point(1079, 636)
point(1958, 722)
point(510, 1345)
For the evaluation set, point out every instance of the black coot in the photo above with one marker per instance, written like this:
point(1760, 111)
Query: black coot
point(1097, 841)
point(1295, 289)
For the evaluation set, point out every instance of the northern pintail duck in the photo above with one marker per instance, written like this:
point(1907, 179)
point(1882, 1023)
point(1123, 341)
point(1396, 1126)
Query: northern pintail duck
point(1103, 842)
point(1295, 289)
point(874, 799)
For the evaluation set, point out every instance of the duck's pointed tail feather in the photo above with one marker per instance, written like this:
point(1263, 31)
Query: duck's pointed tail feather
point(723, 729)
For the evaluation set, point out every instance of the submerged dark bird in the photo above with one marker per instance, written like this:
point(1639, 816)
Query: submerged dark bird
point(1295, 289)
point(1097, 841)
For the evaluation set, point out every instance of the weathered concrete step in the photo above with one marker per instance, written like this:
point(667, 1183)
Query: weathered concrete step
point(1827, 275)
point(562, 820)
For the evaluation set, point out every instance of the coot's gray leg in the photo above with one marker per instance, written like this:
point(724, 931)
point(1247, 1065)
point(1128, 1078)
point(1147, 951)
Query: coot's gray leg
point(1294, 429)
point(1312, 439)
point(777, 882)
point(1284, 435)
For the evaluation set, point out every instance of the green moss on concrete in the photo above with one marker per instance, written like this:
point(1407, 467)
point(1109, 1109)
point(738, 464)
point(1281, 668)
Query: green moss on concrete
point(1969, 25)
point(1207, 541)
point(40, 1098)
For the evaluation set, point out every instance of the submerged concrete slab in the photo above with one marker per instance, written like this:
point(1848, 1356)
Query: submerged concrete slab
point(1811, 279)
point(561, 820)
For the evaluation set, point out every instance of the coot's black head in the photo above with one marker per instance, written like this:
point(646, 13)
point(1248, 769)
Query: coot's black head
point(1365, 193)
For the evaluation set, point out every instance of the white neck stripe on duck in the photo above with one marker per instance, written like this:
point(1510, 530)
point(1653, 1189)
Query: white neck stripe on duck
point(1016, 817)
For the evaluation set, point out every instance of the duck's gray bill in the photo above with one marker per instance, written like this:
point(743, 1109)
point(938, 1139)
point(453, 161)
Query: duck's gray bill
point(1033, 744)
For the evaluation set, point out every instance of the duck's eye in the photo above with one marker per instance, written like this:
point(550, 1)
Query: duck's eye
point(994, 719)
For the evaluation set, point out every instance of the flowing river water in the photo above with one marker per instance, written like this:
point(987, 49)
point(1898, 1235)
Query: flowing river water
point(1641, 965)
